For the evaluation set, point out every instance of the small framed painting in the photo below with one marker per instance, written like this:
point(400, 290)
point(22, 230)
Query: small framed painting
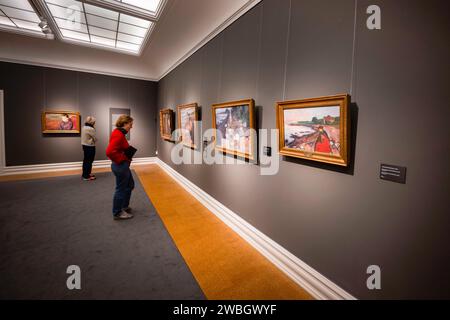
point(60, 122)
point(166, 123)
point(187, 116)
point(316, 129)
point(234, 128)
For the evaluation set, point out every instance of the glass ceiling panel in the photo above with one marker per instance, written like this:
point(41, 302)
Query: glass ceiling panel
point(19, 4)
point(127, 46)
point(132, 30)
point(100, 22)
point(147, 5)
point(74, 13)
point(105, 13)
point(26, 25)
point(102, 32)
point(67, 3)
point(72, 35)
point(18, 14)
point(135, 21)
point(6, 21)
point(103, 41)
point(71, 25)
point(130, 39)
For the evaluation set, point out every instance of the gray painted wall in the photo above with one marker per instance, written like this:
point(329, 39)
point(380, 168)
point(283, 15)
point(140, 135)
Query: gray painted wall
point(29, 90)
point(339, 221)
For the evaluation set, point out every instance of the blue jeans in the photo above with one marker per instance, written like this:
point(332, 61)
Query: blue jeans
point(124, 186)
point(89, 156)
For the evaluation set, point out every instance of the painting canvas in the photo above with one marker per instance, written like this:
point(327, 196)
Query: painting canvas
point(233, 123)
point(166, 123)
point(315, 129)
point(114, 114)
point(60, 122)
point(187, 116)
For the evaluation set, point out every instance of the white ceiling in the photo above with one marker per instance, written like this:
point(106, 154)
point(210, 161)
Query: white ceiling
point(184, 26)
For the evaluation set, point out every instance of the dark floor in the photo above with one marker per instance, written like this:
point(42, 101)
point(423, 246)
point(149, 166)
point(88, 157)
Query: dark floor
point(47, 225)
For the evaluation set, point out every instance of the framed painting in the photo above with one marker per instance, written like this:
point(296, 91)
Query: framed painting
point(166, 123)
point(187, 116)
point(61, 122)
point(234, 125)
point(114, 114)
point(316, 129)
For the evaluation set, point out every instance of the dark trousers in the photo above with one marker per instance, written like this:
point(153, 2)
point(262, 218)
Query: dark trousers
point(124, 186)
point(89, 156)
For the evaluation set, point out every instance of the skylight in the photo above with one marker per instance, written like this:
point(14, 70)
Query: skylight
point(88, 24)
point(19, 16)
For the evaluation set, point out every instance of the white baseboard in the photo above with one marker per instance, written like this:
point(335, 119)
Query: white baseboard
point(51, 167)
point(309, 279)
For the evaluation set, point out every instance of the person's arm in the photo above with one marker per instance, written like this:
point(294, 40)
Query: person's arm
point(92, 134)
point(116, 148)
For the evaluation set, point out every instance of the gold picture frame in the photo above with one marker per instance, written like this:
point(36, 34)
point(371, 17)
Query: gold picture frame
point(166, 123)
point(187, 119)
point(239, 117)
point(315, 129)
point(61, 122)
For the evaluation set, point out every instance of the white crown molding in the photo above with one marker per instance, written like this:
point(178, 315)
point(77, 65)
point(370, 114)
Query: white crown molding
point(49, 65)
point(309, 279)
point(52, 167)
point(243, 10)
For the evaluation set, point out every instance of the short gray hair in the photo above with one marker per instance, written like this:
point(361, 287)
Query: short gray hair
point(90, 120)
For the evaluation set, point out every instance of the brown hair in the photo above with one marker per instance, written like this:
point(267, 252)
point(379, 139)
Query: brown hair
point(123, 120)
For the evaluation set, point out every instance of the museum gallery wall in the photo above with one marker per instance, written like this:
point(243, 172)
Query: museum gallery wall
point(36, 97)
point(339, 219)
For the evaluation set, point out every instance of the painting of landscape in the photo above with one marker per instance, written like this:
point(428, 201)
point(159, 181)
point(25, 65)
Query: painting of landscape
point(315, 129)
point(234, 124)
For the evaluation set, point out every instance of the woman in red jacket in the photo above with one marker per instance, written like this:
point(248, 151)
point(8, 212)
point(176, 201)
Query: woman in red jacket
point(117, 152)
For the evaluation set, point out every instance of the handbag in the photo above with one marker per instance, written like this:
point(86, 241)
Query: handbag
point(130, 151)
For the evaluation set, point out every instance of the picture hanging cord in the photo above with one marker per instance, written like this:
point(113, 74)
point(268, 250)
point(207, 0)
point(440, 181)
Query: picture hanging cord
point(219, 91)
point(354, 49)
point(258, 61)
point(287, 50)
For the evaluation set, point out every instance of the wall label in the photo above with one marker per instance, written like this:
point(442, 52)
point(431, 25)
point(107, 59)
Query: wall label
point(393, 173)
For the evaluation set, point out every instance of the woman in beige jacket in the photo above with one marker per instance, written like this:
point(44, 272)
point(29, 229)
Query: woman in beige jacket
point(88, 140)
